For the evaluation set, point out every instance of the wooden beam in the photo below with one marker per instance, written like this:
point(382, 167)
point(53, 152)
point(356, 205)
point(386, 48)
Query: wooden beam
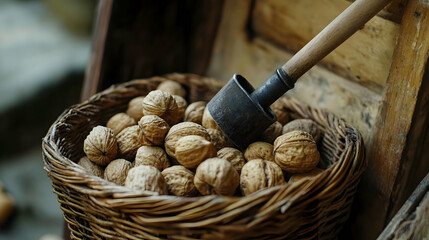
point(396, 135)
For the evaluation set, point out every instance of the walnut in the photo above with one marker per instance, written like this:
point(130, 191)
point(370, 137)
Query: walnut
point(154, 128)
point(129, 140)
point(218, 138)
point(259, 174)
point(296, 152)
point(180, 181)
point(194, 112)
point(234, 156)
point(193, 149)
point(120, 121)
point(216, 176)
point(151, 155)
point(100, 145)
point(135, 108)
point(279, 110)
point(180, 130)
point(91, 166)
point(272, 132)
point(306, 125)
point(146, 178)
point(7, 206)
point(260, 150)
point(117, 171)
point(172, 87)
point(307, 175)
point(161, 104)
point(207, 121)
point(182, 105)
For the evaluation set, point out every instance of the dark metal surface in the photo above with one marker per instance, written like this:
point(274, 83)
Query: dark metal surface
point(242, 112)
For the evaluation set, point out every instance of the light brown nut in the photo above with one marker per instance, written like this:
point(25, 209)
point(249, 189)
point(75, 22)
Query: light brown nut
point(135, 108)
point(161, 104)
point(260, 150)
point(172, 87)
point(234, 156)
point(151, 155)
point(259, 174)
point(207, 121)
point(272, 132)
point(279, 110)
point(308, 175)
point(91, 166)
point(296, 152)
point(193, 149)
point(120, 121)
point(216, 176)
point(194, 112)
point(180, 181)
point(181, 105)
point(218, 138)
point(100, 145)
point(306, 125)
point(117, 171)
point(7, 206)
point(180, 130)
point(129, 140)
point(146, 178)
point(154, 128)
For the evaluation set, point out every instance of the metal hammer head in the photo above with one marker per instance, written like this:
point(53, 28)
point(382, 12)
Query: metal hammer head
point(242, 112)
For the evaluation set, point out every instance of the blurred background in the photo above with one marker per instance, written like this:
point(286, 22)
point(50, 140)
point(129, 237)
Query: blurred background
point(44, 49)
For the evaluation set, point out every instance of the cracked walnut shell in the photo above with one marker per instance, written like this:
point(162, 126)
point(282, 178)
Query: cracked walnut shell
point(119, 122)
point(146, 178)
point(192, 150)
point(180, 181)
point(117, 171)
point(153, 156)
point(296, 152)
point(100, 146)
point(260, 150)
point(259, 174)
point(216, 176)
point(161, 104)
point(154, 128)
point(180, 130)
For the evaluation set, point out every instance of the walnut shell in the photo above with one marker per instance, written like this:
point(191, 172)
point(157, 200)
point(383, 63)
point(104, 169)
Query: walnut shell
point(180, 130)
point(129, 140)
point(161, 104)
point(306, 125)
point(216, 176)
point(259, 174)
point(218, 138)
point(181, 105)
point(279, 110)
point(119, 122)
point(154, 128)
point(194, 112)
point(234, 156)
point(100, 146)
point(180, 181)
point(207, 121)
point(146, 178)
point(91, 166)
point(307, 175)
point(272, 132)
point(296, 152)
point(151, 155)
point(135, 108)
point(172, 87)
point(193, 149)
point(117, 171)
point(259, 150)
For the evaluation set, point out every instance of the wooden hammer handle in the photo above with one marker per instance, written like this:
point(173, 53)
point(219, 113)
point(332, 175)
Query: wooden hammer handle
point(341, 28)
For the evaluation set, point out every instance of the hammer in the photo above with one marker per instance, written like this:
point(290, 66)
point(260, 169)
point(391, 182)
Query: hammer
point(243, 113)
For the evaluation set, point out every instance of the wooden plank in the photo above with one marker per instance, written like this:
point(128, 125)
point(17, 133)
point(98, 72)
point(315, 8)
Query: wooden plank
point(394, 140)
point(364, 58)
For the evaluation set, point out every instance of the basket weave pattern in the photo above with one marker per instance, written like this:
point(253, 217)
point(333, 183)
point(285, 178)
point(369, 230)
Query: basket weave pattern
point(97, 209)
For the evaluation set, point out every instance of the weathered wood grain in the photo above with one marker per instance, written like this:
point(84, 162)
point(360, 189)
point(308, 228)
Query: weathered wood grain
point(399, 130)
point(393, 11)
point(364, 58)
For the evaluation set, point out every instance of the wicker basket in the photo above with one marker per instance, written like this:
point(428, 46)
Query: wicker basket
point(97, 209)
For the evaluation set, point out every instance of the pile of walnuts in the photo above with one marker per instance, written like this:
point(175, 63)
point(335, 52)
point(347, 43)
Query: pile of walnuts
point(163, 145)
